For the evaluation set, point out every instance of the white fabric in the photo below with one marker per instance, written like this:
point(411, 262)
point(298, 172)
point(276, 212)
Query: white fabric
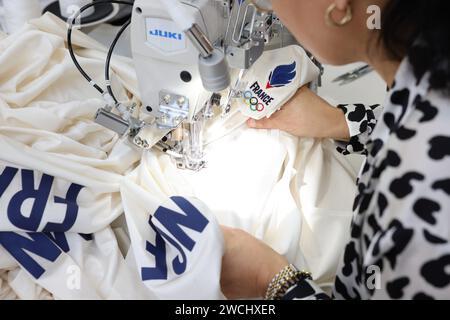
point(192, 273)
point(78, 169)
point(295, 194)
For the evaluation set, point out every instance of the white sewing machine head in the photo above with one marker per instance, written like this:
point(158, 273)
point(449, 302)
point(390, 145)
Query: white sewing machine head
point(183, 71)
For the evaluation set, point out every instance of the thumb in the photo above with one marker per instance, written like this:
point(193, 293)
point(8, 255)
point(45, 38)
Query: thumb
point(265, 123)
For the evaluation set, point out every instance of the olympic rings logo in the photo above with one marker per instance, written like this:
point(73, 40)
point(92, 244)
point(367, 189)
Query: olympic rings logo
point(253, 102)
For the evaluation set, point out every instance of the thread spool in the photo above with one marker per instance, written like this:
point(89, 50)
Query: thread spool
point(18, 12)
point(69, 7)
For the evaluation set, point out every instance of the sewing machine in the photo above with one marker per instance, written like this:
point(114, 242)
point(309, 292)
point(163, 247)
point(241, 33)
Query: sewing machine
point(184, 56)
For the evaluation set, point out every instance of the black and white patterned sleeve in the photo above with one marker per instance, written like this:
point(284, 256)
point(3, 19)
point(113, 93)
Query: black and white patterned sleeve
point(361, 121)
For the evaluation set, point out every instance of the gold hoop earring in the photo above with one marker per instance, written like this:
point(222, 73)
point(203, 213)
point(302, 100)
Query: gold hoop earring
point(345, 20)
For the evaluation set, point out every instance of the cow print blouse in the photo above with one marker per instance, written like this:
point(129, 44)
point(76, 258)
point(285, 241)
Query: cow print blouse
point(400, 234)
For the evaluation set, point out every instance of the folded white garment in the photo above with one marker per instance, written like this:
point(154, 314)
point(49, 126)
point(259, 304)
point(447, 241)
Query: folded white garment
point(63, 180)
point(101, 207)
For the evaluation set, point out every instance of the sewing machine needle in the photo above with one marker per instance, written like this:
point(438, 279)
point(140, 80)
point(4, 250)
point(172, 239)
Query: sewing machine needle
point(233, 89)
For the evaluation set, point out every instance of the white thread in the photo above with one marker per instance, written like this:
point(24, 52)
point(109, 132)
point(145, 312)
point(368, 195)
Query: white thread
point(69, 7)
point(18, 12)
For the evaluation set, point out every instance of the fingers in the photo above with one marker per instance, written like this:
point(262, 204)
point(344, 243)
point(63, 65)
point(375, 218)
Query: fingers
point(266, 123)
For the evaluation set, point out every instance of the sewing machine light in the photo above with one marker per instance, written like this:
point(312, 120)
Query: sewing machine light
point(213, 65)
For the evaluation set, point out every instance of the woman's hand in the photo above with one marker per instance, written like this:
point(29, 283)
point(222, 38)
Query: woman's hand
point(309, 116)
point(248, 265)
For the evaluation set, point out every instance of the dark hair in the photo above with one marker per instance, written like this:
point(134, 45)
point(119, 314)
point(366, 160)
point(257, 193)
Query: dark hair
point(420, 29)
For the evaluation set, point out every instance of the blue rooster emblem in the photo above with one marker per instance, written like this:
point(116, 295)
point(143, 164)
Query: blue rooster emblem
point(282, 75)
